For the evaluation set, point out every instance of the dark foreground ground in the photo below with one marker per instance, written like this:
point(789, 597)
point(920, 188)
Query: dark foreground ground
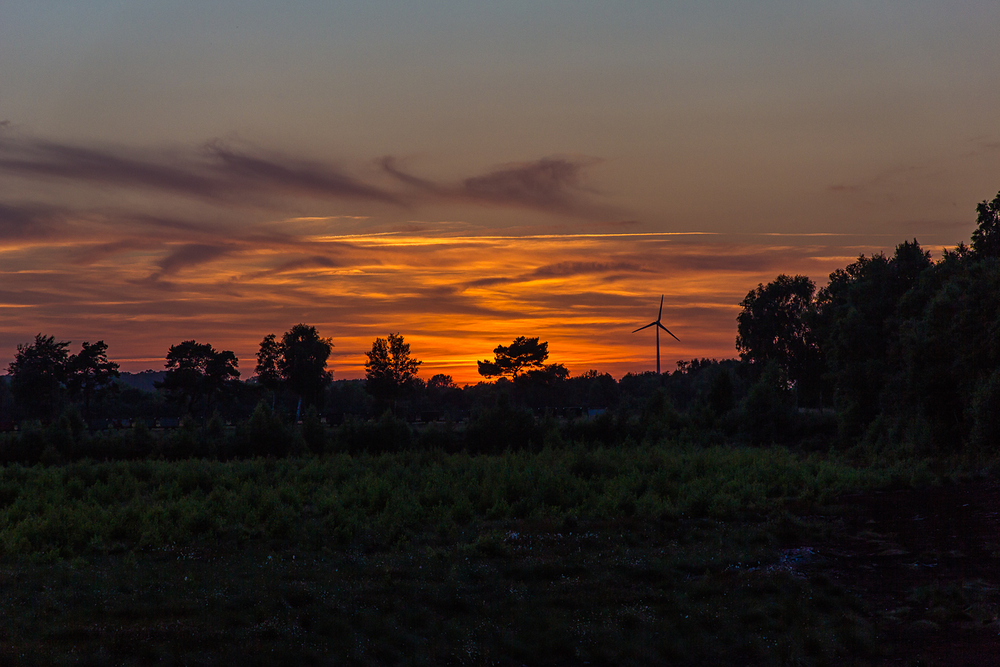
point(927, 565)
point(895, 578)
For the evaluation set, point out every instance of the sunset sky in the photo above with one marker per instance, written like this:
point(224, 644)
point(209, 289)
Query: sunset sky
point(465, 173)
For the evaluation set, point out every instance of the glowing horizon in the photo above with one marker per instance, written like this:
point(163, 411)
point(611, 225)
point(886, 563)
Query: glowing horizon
point(465, 173)
point(453, 298)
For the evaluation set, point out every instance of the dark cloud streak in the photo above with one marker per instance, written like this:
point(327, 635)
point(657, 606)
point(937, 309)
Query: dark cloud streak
point(296, 177)
point(192, 254)
point(22, 221)
point(313, 262)
point(225, 176)
point(565, 270)
point(46, 159)
point(217, 174)
point(550, 184)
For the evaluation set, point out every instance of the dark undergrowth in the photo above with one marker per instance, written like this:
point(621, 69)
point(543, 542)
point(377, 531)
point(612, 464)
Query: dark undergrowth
point(392, 500)
point(611, 594)
point(637, 555)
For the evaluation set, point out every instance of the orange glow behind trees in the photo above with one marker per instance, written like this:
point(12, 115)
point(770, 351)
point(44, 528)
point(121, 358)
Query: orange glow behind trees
point(454, 296)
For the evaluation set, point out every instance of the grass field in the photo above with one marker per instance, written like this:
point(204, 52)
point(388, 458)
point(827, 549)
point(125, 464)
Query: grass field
point(643, 555)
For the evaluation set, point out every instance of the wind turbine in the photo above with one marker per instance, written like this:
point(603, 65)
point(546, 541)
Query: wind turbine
point(656, 323)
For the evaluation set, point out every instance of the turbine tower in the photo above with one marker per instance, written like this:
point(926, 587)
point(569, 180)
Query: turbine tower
point(656, 323)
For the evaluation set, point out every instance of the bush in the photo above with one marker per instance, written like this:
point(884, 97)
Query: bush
point(388, 434)
point(265, 434)
point(501, 427)
point(767, 412)
point(314, 432)
point(984, 413)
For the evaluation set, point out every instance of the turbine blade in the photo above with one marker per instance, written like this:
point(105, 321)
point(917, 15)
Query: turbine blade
point(660, 314)
point(647, 326)
point(668, 331)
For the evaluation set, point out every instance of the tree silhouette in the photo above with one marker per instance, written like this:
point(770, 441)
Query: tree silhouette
point(390, 370)
point(775, 326)
point(986, 238)
point(441, 382)
point(196, 371)
point(297, 362)
point(89, 371)
point(38, 375)
point(548, 375)
point(858, 326)
point(510, 360)
point(269, 361)
point(303, 363)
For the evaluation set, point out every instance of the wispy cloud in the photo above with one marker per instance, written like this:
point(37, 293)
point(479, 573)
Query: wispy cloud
point(550, 184)
point(192, 254)
point(35, 158)
point(547, 184)
point(293, 176)
point(226, 175)
point(22, 221)
point(565, 270)
point(290, 266)
point(216, 173)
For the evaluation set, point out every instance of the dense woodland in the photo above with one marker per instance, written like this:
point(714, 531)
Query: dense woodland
point(896, 349)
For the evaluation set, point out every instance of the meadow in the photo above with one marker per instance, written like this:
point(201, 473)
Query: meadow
point(651, 553)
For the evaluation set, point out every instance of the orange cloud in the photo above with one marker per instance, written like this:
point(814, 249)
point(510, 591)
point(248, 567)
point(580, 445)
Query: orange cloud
point(424, 287)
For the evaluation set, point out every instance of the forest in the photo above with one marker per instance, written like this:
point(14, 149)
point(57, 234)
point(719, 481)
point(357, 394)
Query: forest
point(828, 496)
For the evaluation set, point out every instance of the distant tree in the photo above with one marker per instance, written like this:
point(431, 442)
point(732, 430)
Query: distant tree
point(269, 362)
point(511, 360)
point(986, 238)
point(296, 362)
point(38, 375)
point(89, 371)
point(593, 389)
point(390, 370)
point(302, 364)
point(441, 382)
point(196, 371)
point(548, 375)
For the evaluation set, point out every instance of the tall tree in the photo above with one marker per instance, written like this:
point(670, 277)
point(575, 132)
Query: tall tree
point(390, 370)
point(90, 371)
point(197, 370)
point(521, 355)
point(38, 375)
point(269, 361)
point(298, 362)
point(773, 323)
point(859, 327)
point(303, 364)
point(775, 326)
point(986, 238)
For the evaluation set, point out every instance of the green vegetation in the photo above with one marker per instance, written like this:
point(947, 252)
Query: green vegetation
point(640, 554)
point(389, 500)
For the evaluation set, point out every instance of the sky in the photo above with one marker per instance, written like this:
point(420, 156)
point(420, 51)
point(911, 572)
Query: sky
point(466, 173)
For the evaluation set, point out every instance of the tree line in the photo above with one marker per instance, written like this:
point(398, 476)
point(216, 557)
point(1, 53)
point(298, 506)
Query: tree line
point(894, 349)
point(904, 349)
point(44, 378)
